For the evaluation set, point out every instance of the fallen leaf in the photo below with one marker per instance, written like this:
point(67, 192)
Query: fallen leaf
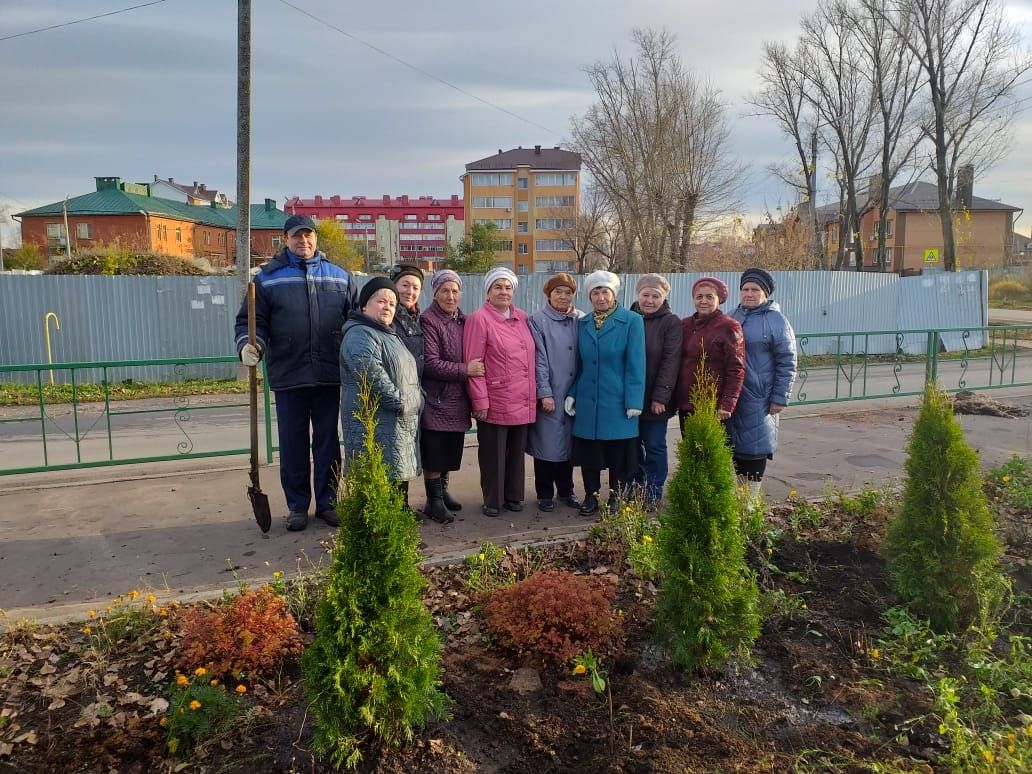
point(158, 706)
point(29, 737)
point(47, 669)
point(6, 749)
point(56, 704)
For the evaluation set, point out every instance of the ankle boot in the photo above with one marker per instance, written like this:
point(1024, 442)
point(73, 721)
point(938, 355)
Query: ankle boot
point(435, 502)
point(449, 502)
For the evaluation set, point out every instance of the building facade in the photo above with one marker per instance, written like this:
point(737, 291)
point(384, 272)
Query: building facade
point(127, 214)
point(532, 195)
point(391, 230)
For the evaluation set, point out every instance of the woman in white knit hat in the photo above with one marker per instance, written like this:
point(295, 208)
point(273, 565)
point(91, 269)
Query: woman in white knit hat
point(608, 395)
point(503, 399)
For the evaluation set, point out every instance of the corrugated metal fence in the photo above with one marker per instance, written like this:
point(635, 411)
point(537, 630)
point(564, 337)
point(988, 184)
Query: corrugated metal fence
point(130, 318)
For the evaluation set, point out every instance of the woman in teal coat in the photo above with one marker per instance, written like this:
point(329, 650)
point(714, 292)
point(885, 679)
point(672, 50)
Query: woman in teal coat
point(608, 394)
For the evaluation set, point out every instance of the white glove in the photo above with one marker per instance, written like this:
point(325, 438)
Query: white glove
point(632, 413)
point(568, 406)
point(250, 355)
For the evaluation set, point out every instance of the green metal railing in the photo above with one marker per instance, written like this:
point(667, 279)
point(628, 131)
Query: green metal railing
point(833, 367)
point(182, 408)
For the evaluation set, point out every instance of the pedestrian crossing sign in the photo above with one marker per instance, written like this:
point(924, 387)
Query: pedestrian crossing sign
point(931, 255)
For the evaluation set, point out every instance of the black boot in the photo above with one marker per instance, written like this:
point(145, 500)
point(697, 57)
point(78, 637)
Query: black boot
point(590, 505)
point(449, 502)
point(435, 502)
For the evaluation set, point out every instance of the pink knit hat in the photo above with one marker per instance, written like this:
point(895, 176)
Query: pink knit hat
point(720, 287)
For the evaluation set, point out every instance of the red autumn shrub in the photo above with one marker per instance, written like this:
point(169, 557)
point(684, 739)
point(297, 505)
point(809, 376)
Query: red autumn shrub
point(553, 616)
point(252, 633)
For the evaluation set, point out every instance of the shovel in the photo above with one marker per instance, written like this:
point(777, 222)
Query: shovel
point(259, 500)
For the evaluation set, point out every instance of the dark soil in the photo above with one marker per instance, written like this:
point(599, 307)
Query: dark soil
point(814, 699)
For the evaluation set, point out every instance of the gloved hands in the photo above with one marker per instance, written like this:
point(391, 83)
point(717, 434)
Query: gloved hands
point(250, 355)
point(632, 413)
point(568, 406)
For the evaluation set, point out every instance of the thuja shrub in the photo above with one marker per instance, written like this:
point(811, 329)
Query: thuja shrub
point(553, 616)
point(246, 635)
point(941, 549)
point(372, 674)
point(707, 609)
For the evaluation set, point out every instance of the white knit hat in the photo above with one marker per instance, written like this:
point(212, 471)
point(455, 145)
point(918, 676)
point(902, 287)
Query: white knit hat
point(601, 279)
point(497, 273)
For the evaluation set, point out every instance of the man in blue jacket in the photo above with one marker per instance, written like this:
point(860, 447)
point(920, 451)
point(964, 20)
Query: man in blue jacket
point(301, 303)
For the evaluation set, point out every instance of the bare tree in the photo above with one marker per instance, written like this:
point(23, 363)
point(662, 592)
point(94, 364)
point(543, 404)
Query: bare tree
point(594, 233)
point(656, 144)
point(971, 63)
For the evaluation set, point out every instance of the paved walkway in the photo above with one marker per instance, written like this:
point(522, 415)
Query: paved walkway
point(72, 540)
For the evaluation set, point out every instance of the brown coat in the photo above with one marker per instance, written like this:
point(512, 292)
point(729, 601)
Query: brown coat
point(720, 337)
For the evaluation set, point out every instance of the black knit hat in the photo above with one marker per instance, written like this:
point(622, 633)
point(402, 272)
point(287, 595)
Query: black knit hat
point(400, 270)
point(376, 283)
point(761, 277)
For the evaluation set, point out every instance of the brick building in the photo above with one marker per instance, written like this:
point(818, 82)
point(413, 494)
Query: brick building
point(391, 230)
point(128, 214)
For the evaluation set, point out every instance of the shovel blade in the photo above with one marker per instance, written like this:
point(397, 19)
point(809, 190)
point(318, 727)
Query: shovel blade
point(260, 506)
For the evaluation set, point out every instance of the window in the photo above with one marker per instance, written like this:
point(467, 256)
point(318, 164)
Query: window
point(888, 227)
point(556, 178)
point(222, 239)
point(553, 244)
point(523, 227)
point(277, 243)
point(500, 202)
point(55, 231)
point(503, 224)
point(505, 245)
point(493, 178)
point(179, 233)
point(554, 223)
point(523, 206)
point(84, 231)
point(553, 201)
point(365, 217)
point(411, 217)
point(342, 217)
point(522, 268)
point(554, 266)
point(521, 182)
point(433, 217)
point(522, 249)
point(207, 237)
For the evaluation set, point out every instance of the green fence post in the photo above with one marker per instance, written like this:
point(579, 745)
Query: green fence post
point(932, 357)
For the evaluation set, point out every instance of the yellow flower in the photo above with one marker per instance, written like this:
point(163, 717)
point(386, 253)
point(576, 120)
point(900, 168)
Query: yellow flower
point(87, 630)
point(195, 705)
point(133, 594)
point(792, 493)
point(200, 671)
point(163, 612)
point(182, 679)
point(803, 606)
point(1006, 479)
point(481, 557)
point(163, 721)
point(989, 756)
point(277, 575)
point(241, 688)
point(151, 599)
point(213, 683)
point(91, 613)
point(646, 538)
point(580, 669)
point(875, 653)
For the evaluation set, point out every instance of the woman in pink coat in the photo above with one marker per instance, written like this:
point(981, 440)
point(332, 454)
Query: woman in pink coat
point(504, 398)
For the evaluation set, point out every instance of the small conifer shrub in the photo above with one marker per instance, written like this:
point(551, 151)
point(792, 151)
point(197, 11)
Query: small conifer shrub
point(372, 674)
point(553, 616)
point(707, 609)
point(941, 549)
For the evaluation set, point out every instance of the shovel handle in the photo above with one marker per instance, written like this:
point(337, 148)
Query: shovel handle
point(253, 386)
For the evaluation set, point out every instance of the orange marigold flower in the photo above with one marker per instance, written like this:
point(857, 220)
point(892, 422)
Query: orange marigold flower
point(241, 688)
point(182, 679)
point(213, 683)
point(163, 612)
point(195, 705)
point(87, 630)
point(580, 669)
point(91, 613)
point(151, 599)
point(163, 721)
point(200, 671)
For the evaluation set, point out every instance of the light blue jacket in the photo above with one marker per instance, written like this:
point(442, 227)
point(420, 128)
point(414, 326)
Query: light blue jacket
point(770, 368)
point(555, 361)
point(611, 377)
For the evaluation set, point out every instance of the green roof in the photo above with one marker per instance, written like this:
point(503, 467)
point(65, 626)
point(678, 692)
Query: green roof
point(114, 201)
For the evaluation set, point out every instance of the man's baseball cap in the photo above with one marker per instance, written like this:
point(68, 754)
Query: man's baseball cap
point(297, 223)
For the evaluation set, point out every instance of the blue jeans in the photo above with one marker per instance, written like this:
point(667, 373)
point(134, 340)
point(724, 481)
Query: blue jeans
point(298, 411)
point(652, 459)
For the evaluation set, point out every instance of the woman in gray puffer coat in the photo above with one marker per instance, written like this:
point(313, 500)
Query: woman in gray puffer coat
point(372, 351)
point(770, 368)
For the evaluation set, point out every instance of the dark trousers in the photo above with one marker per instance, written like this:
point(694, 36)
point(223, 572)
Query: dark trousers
point(500, 453)
point(552, 479)
point(298, 410)
point(653, 466)
point(592, 478)
point(752, 469)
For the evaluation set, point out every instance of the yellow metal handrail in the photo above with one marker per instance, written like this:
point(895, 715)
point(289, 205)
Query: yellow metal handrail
point(46, 337)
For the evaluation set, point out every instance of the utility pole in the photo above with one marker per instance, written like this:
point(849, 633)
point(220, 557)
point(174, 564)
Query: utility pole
point(243, 233)
point(68, 237)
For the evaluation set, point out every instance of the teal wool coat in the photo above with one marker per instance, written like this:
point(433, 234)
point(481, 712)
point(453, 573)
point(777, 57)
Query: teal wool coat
point(611, 376)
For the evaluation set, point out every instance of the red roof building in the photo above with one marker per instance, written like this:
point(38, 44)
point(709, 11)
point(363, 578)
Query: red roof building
point(392, 229)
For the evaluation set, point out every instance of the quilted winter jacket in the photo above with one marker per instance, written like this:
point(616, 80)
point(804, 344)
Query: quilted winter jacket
point(300, 310)
point(444, 371)
point(770, 368)
point(662, 360)
point(406, 325)
point(611, 378)
point(508, 390)
point(374, 351)
point(720, 338)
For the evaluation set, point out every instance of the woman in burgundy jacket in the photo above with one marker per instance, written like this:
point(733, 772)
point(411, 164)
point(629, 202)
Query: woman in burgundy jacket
point(446, 412)
point(711, 332)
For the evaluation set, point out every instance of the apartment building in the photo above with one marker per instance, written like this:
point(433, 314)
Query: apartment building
point(389, 229)
point(533, 196)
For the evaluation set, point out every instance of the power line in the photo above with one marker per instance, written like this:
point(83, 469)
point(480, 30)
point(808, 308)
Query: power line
point(413, 67)
point(78, 21)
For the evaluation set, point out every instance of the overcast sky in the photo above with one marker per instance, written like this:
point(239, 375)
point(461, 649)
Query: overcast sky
point(152, 91)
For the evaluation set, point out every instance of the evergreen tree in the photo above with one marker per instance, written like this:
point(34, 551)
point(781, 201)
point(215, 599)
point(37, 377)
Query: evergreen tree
point(372, 673)
point(941, 548)
point(707, 605)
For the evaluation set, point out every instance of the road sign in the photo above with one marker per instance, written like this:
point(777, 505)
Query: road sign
point(931, 256)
